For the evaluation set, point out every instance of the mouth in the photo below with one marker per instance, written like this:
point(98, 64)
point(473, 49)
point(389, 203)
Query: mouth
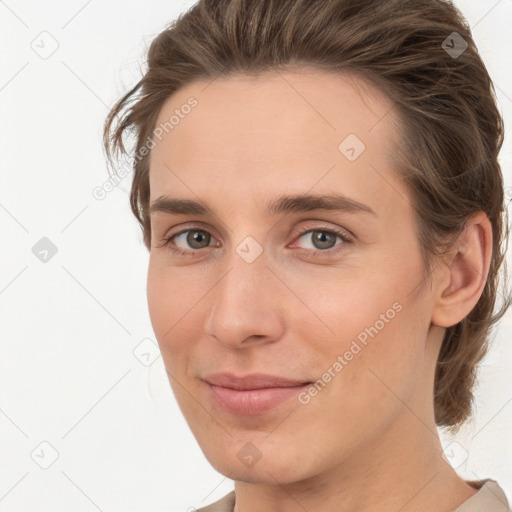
point(252, 395)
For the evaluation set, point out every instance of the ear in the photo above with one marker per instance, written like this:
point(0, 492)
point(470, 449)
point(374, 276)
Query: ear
point(461, 280)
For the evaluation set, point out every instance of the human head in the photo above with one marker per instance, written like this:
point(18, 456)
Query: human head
point(451, 131)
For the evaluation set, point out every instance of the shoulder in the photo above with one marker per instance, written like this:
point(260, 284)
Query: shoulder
point(489, 498)
point(225, 504)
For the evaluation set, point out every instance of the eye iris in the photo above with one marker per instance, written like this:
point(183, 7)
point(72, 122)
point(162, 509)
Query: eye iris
point(198, 237)
point(323, 239)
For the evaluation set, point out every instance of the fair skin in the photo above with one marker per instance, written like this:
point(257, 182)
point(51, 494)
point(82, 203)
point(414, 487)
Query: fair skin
point(368, 440)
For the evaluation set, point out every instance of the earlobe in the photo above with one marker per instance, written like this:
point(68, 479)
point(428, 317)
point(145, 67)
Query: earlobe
point(462, 280)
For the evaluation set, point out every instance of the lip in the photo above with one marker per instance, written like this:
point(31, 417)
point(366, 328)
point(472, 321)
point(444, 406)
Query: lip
point(251, 395)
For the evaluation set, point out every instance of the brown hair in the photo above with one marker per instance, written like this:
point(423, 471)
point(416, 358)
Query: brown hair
point(452, 130)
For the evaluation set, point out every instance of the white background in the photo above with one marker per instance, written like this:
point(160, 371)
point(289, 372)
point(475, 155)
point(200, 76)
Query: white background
point(68, 374)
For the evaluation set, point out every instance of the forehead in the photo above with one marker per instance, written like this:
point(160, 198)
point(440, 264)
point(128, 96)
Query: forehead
point(277, 127)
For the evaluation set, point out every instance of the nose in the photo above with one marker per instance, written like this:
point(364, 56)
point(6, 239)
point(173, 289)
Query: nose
point(247, 305)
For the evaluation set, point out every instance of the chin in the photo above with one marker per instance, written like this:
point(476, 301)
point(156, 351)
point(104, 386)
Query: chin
point(261, 473)
point(274, 465)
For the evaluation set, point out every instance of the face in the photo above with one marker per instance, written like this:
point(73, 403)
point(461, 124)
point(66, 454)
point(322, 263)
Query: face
point(312, 310)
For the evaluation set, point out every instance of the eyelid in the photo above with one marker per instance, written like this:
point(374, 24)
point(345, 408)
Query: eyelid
point(322, 226)
point(313, 225)
point(188, 227)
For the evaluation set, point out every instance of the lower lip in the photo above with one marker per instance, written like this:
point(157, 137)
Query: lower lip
point(252, 402)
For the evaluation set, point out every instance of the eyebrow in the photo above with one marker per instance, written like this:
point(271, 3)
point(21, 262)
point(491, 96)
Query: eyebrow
point(282, 205)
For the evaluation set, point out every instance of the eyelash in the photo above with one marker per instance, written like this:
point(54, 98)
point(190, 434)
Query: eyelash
point(312, 252)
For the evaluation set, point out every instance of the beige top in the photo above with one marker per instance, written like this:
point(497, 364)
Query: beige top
point(489, 498)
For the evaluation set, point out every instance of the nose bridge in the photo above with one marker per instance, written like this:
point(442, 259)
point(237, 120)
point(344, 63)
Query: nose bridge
point(245, 301)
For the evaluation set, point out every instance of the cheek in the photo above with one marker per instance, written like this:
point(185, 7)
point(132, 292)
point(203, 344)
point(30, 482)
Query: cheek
point(382, 359)
point(160, 301)
point(344, 305)
point(373, 327)
point(364, 384)
point(171, 302)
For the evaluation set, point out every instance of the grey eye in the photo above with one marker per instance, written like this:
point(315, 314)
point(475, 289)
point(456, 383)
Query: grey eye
point(195, 239)
point(320, 239)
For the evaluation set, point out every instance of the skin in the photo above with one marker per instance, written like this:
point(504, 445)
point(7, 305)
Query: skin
point(368, 440)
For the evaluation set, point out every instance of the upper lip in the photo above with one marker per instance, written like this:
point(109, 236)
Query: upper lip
point(252, 381)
